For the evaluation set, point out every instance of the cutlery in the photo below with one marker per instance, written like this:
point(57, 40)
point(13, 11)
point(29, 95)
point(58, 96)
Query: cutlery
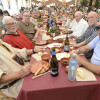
point(40, 75)
point(39, 70)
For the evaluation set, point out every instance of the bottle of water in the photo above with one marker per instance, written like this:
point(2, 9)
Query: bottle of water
point(73, 62)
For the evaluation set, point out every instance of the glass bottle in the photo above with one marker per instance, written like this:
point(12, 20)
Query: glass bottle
point(66, 45)
point(54, 64)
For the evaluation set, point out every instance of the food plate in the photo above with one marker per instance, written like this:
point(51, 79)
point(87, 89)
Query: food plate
point(38, 64)
point(57, 49)
point(62, 55)
point(41, 42)
point(57, 37)
point(54, 45)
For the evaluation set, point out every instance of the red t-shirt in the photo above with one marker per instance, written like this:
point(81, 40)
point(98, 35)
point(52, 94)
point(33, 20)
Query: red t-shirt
point(19, 41)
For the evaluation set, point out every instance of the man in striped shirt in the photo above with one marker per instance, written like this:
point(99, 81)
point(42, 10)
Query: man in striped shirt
point(89, 34)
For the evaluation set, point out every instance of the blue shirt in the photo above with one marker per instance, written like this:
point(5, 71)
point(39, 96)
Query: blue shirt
point(95, 44)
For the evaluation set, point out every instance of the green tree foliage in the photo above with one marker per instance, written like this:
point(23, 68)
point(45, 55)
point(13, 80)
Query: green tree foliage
point(84, 2)
point(97, 3)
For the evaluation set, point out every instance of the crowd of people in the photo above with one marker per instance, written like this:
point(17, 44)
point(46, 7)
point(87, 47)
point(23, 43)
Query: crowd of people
point(19, 32)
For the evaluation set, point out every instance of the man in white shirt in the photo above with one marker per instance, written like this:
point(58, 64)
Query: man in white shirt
point(80, 25)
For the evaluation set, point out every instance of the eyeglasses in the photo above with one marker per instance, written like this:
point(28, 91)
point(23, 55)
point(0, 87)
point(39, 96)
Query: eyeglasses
point(11, 24)
point(26, 16)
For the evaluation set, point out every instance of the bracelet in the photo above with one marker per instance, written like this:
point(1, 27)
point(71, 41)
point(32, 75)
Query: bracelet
point(33, 50)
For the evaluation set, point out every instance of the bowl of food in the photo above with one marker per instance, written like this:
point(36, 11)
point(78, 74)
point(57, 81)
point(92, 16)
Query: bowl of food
point(49, 41)
point(60, 40)
point(66, 70)
point(57, 49)
point(46, 57)
point(64, 61)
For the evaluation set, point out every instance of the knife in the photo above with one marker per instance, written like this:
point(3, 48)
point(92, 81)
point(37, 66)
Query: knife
point(39, 70)
point(40, 74)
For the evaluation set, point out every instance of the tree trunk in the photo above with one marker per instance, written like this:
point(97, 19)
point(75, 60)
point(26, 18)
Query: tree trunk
point(90, 3)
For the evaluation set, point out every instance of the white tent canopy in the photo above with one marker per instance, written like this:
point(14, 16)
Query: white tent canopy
point(59, 2)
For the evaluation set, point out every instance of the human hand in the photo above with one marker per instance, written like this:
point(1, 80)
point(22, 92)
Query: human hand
point(71, 35)
point(25, 71)
point(74, 45)
point(39, 48)
point(80, 60)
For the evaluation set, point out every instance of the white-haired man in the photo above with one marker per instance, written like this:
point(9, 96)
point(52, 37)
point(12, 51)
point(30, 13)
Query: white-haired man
point(80, 25)
point(13, 68)
point(89, 34)
point(94, 65)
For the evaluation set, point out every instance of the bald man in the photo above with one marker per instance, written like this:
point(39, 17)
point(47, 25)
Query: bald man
point(94, 65)
point(80, 25)
point(89, 34)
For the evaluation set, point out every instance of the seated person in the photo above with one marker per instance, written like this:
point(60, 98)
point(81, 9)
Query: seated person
point(15, 37)
point(33, 19)
point(27, 27)
point(13, 68)
point(89, 34)
point(70, 21)
point(94, 65)
point(80, 25)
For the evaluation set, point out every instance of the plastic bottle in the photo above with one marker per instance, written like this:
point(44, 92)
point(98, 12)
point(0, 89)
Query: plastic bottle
point(73, 62)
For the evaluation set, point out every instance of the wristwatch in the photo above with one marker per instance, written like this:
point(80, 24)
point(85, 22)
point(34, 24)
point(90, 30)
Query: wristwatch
point(33, 50)
point(77, 51)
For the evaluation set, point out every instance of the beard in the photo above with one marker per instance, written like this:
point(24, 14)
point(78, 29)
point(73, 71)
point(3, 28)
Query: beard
point(91, 23)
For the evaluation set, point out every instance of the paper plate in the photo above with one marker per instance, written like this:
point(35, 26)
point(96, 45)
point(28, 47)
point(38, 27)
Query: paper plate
point(41, 42)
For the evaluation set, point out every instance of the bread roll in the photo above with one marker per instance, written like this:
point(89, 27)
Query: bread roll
point(80, 73)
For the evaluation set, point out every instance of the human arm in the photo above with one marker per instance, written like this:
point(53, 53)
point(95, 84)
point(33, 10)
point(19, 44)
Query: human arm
point(73, 36)
point(78, 44)
point(83, 49)
point(38, 31)
point(92, 67)
point(36, 49)
point(15, 75)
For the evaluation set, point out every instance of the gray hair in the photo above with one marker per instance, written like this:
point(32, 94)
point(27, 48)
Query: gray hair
point(6, 18)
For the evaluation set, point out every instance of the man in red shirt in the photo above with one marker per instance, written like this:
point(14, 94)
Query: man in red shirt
point(15, 37)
